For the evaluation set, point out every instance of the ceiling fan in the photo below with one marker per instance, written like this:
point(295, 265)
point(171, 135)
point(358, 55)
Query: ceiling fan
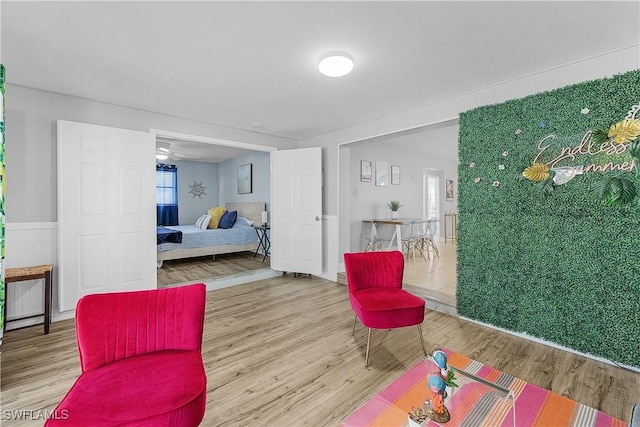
point(165, 150)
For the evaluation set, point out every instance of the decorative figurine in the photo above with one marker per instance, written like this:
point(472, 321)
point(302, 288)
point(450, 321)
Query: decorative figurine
point(435, 405)
point(440, 359)
point(447, 374)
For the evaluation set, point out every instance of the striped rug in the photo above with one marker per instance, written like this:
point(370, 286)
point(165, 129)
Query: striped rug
point(475, 404)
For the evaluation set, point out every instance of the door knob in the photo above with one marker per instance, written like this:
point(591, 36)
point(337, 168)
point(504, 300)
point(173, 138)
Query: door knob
point(317, 218)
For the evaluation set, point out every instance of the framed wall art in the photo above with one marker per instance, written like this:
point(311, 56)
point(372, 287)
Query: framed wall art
point(245, 179)
point(449, 190)
point(366, 170)
point(381, 173)
point(395, 175)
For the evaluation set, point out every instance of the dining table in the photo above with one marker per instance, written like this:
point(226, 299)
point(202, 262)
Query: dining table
point(398, 222)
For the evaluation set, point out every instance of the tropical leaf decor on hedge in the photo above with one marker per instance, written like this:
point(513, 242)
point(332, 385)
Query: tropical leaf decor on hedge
point(624, 131)
point(614, 191)
point(621, 139)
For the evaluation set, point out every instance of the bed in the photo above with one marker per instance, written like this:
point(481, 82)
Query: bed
point(195, 242)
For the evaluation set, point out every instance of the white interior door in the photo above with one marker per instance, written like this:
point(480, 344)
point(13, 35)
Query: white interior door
point(106, 211)
point(296, 210)
point(431, 195)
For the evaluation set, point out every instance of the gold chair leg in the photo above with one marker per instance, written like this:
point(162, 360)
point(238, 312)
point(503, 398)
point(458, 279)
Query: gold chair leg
point(421, 248)
point(366, 360)
point(435, 249)
point(421, 340)
point(355, 318)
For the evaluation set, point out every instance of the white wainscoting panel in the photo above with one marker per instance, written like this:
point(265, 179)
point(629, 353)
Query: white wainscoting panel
point(330, 247)
point(28, 244)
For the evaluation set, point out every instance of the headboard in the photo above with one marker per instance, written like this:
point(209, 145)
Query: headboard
point(250, 210)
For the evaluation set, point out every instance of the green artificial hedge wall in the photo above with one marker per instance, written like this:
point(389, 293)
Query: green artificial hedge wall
point(566, 267)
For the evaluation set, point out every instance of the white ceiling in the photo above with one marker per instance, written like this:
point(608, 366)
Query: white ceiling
point(235, 63)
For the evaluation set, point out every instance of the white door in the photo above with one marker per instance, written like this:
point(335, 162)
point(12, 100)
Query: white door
point(296, 210)
point(431, 186)
point(106, 211)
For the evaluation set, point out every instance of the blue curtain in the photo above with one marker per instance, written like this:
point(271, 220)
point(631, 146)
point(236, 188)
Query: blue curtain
point(167, 194)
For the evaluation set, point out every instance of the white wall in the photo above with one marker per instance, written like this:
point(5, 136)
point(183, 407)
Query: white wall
point(31, 190)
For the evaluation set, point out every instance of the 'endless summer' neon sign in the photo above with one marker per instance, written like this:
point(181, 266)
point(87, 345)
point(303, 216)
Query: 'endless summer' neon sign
point(586, 147)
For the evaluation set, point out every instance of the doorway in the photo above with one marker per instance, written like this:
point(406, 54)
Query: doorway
point(431, 194)
point(198, 159)
point(426, 157)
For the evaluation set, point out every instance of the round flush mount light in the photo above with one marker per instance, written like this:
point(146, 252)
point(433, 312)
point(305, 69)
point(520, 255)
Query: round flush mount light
point(335, 65)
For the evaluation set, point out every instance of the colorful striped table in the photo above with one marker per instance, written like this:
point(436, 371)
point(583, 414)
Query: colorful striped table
point(486, 397)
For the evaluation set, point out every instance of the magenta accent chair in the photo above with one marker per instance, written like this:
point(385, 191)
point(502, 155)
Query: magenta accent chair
point(141, 360)
point(374, 280)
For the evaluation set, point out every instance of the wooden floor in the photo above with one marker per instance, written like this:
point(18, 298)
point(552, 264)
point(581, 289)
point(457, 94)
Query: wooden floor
point(206, 268)
point(279, 352)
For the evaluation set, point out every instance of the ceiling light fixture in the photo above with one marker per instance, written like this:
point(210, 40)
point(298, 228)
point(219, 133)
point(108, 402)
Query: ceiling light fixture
point(161, 156)
point(335, 65)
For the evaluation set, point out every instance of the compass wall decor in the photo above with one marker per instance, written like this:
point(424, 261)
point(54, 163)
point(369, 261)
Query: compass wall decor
point(197, 189)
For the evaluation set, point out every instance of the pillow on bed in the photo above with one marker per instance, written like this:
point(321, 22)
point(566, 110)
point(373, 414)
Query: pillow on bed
point(245, 220)
point(216, 213)
point(203, 222)
point(228, 219)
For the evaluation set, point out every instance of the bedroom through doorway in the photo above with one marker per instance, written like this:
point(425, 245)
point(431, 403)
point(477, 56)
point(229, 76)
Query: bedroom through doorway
point(213, 163)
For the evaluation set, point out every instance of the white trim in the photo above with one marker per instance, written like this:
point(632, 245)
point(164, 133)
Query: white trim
point(398, 132)
point(207, 140)
point(553, 344)
point(56, 316)
point(31, 225)
point(235, 279)
point(330, 247)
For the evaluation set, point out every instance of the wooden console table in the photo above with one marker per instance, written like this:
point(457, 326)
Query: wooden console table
point(21, 274)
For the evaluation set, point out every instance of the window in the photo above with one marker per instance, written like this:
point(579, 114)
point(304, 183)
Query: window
point(167, 194)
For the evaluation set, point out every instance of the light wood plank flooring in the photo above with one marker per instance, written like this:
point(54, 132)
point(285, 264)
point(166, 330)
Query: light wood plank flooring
point(206, 268)
point(279, 352)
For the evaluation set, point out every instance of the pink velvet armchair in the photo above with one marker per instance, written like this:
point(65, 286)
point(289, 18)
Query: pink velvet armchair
point(374, 281)
point(141, 360)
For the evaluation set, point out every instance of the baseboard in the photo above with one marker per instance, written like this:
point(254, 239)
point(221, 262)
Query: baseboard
point(333, 277)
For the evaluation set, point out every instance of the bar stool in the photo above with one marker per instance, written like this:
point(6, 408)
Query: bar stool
point(21, 274)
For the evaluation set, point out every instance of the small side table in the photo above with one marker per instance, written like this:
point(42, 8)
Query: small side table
point(264, 241)
point(21, 274)
point(454, 226)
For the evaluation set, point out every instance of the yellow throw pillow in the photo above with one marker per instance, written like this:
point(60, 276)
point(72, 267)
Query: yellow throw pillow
point(216, 213)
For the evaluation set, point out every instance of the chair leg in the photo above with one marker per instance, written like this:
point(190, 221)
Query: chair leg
point(355, 318)
point(435, 250)
point(421, 340)
point(366, 360)
point(420, 246)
